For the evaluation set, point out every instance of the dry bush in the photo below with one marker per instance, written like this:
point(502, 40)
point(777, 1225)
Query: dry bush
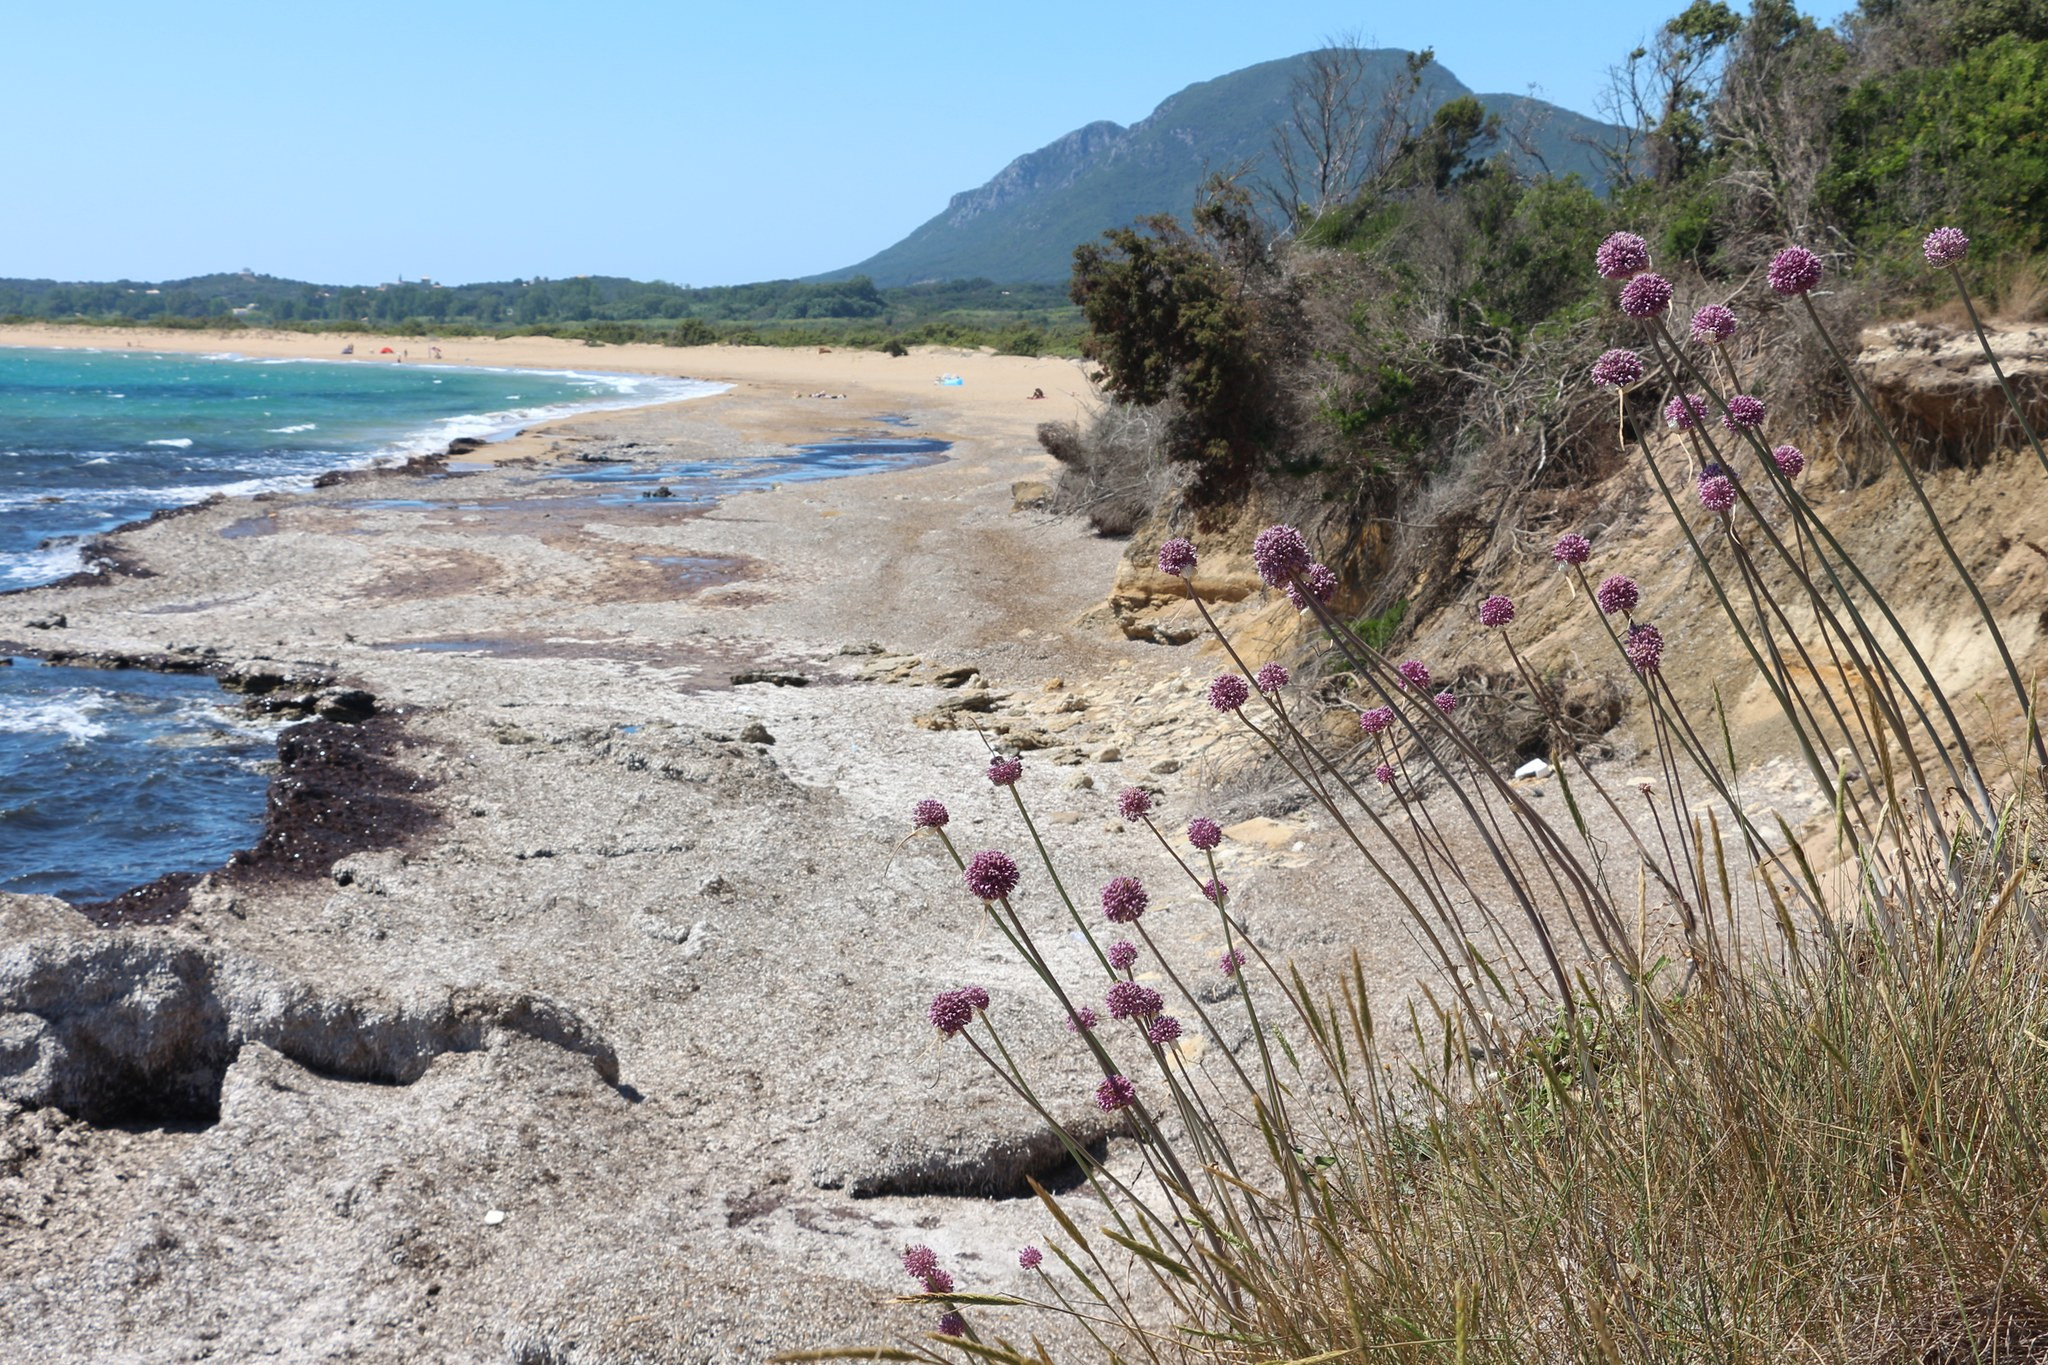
point(1116, 472)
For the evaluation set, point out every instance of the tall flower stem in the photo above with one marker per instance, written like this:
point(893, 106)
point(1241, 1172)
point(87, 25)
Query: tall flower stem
point(2012, 399)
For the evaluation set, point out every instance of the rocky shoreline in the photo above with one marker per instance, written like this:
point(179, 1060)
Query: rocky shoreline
point(572, 999)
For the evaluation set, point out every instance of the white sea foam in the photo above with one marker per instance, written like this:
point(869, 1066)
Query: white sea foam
point(71, 714)
point(175, 442)
point(288, 431)
point(40, 566)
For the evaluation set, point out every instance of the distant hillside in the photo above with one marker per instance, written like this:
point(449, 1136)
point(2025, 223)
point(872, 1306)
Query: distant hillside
point(1025, 223)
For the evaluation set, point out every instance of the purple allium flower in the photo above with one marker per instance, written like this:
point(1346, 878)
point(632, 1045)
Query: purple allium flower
point(1228, 692)
point(1204, 833)
point(1322, 585)
point(1717, 492)
point(920, 1261)
point(950, 1012)
point(1744, 413)
point(1231, 961)
point(1945, 246)
point(1617, 592)
point(1123, 900)
point(991, 875)
point(1004, 772)
point(1497, 611)
point(1215, 890)
point(1446, 702)
point(952, 1324)
point(1129, 1000)
point(939, 1282)
point(1271, 678)
point(1163, 1030)
point(1082, 1019)
point(1030, 1257)
point(928, 814)
point(1622, 255)
point(975, 996)
point(1713, 325)
point(1134, 803)
point(1572, 549)
point(1795, 270)
point(1177, 557)
point(1416, 672)
point(1789, 459)
point(1385, 774)
point(1617, 369)
point(1376, 720)
point(1122, 954)
point(1646, 296)
point(1115, 1093)
point(1279, 554)
point(1644, 645)
point(1685, 412)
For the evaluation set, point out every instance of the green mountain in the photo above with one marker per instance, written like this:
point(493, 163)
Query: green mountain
point(1025, 223)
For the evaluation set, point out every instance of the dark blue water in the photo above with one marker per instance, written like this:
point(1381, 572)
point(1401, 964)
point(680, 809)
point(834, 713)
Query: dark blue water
point(91, 439)
point(109, 779)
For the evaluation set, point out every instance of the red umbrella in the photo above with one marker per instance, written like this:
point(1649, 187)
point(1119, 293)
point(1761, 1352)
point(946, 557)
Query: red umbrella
point(385, 351)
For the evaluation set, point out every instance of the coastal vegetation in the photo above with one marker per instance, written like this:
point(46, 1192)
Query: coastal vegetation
point(1017, 319)
point(1686, 1082)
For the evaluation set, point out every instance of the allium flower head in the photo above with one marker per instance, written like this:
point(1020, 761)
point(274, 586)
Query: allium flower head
point(1123, 900)
point(1115, 1093)
point(1685, 412)
point(920, 1261)
point(1646, 296)
point(1228, 692)
point(1322, 585)
point(1129, 1000)
point(1617, 369)
point(1004, 772)
point(1617, 592)
point(1744, 413)
point(1717, 492)
point(1231, 961)
point(1572, 549)
point(1385, 774)
point(1622, 255)
point(1279, 554)
point(951, 1011)
point(1271, 678)
point(1644, 645)
point(928, 814)
point(1713, 325)
point(1215, 890)
point(991, 875)
point(1082, 1019)
point(939, 1282)
point(1446, 702)
point(1122, 954)
point(1030, 1257)
point(1789, 459)
point(1497, 611)
point(1163, 1030)
point(1945, 246)
point(1376, 720)
point(952, 1324)
point(1204, 833)
point(1416, 672)
point(1134, 803)
point(1177, 557)
point(975, 996)
point(1795, 270)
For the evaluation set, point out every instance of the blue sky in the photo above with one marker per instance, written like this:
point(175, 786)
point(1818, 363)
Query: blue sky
point(703, 143)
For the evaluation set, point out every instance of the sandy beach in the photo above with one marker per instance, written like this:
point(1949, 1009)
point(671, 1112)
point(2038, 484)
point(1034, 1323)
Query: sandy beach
point(604, 1025)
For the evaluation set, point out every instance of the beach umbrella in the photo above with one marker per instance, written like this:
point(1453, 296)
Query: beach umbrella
point(385, 351)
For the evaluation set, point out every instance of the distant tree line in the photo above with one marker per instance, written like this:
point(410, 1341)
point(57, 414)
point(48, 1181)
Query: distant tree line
point(582, 301)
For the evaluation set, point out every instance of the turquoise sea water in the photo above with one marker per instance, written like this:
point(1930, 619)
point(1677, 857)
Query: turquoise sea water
point(91, 439)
